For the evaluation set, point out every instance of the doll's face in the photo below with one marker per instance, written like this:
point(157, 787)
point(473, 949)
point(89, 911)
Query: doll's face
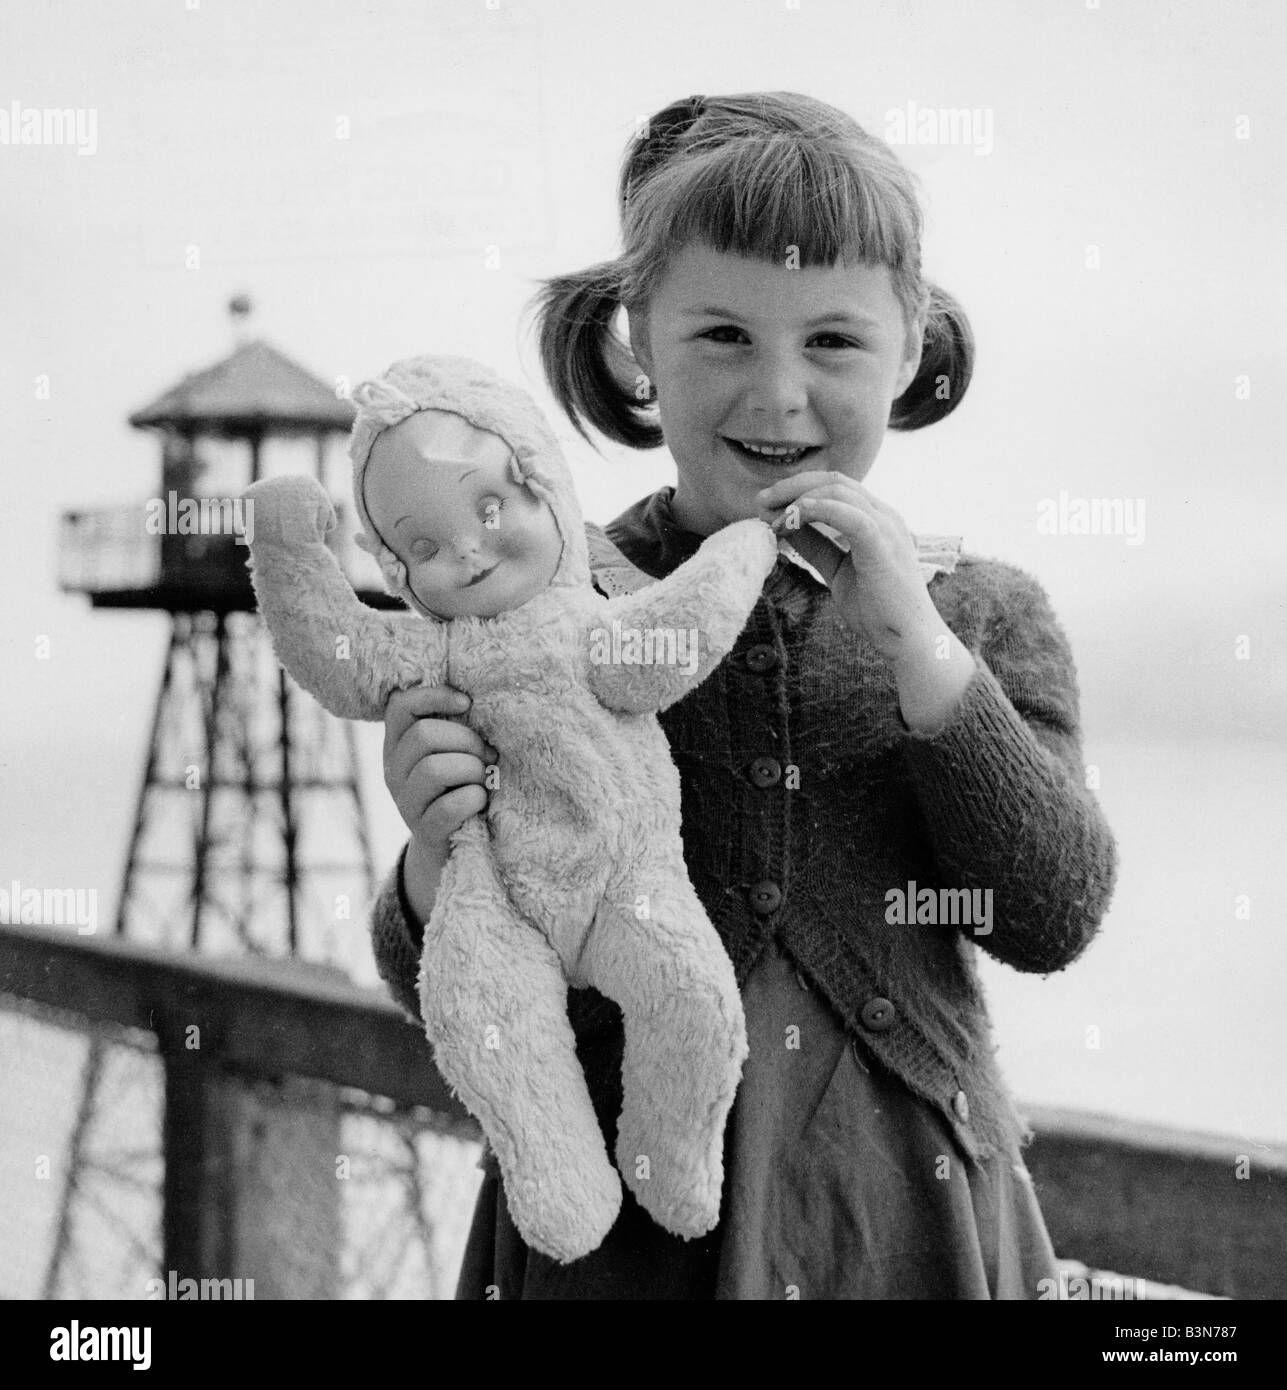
point(446, 499)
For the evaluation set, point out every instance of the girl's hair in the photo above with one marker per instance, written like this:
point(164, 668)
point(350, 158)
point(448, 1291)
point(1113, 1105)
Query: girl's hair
point(753, 175)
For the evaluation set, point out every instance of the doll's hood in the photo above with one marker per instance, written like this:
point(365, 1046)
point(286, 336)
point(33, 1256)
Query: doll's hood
point(488, 402)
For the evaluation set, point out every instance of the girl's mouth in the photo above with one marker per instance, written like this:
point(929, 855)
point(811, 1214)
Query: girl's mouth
point(478, 578)
point(772, 456)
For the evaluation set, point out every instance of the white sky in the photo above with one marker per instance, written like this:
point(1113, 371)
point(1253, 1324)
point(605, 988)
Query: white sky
point(468, 127)
point(472, 127)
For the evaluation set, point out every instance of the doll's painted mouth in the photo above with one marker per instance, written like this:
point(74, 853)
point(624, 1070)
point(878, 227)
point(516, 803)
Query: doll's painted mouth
point(478, 578)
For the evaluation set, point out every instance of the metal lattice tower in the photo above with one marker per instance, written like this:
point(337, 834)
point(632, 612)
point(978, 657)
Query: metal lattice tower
point(249, 832)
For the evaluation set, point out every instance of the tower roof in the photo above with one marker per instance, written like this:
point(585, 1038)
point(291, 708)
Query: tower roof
point(257, 390)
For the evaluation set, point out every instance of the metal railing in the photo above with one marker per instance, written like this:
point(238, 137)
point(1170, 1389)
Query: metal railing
point(241, 1120)
point(112, 555)
point(256, 1121)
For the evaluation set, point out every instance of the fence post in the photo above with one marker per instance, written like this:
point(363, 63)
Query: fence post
point(250, 1189)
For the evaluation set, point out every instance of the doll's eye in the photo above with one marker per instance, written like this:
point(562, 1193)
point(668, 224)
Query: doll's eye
point(491, 511)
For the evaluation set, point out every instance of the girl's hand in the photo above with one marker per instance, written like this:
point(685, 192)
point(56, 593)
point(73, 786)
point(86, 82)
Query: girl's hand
point(878, 587)
point(435, 769)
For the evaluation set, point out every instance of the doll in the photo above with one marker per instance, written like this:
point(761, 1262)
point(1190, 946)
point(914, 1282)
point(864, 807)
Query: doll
point(575, 873)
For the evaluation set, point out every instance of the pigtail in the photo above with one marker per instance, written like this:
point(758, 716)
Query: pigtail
point(656, 142)
point(591, 373)
point(947, 363)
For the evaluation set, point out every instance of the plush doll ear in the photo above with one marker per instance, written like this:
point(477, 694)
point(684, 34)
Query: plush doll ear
point(523, 461)
point(383, 395)
point(392, 570)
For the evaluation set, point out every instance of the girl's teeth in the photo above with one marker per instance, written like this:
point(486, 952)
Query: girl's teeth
point(767, 451)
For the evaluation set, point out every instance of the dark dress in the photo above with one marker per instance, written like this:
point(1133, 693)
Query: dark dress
point(840, 1183)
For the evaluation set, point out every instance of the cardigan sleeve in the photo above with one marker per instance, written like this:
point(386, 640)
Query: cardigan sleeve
point(396, 938)
point(1001, 787)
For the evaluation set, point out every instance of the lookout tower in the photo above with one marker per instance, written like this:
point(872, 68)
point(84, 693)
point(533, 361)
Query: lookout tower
point(249, 836)
point(249, 832)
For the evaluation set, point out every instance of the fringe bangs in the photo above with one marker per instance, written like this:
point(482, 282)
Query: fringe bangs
point(762, 197)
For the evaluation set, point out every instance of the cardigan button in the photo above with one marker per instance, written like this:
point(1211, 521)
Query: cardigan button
point(766, 772)
point(761, 658)
point(962, 1107)
point(878, 1014)
point(766, 897)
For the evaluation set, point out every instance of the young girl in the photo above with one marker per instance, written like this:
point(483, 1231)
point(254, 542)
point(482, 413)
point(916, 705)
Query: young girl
point(882, 776)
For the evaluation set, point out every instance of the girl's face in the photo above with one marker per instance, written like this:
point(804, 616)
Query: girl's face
point(804, 364)
point(444, 497)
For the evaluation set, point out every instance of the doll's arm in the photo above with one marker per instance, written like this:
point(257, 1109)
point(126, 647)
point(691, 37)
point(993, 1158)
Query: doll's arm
point(683, 625)
point(350, 657)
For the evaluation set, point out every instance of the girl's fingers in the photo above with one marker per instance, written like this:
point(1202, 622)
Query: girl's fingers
point(781, 494)
point(427, 736)
point(404, 707)
point(774, 501)
point(451, 810)
point(409, 737)
point(858, 526)
point(777, 494)
point(427, 739)
point(438, 775)
point(822, 553)
point(850, 492)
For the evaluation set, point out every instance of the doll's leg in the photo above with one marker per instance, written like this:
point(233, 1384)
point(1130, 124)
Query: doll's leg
point(685, 1042)
point(494, 1000)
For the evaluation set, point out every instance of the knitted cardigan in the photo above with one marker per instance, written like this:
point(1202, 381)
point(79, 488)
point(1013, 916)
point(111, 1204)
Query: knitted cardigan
point(806, 799)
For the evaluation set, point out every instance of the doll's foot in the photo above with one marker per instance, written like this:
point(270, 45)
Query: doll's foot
point(676, 1184)
point(563, 1205)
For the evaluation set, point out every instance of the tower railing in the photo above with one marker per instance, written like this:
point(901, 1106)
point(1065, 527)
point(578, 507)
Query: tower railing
point(106, 550)
point(110, 555)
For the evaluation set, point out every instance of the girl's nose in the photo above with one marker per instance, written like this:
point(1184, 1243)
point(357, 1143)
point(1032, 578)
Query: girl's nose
point(777, 388)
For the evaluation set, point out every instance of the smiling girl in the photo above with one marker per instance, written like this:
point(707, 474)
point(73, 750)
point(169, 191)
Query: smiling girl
point(895, 711)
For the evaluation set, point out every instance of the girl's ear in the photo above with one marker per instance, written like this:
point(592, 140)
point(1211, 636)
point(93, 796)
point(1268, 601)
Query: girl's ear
point(637, 326)
point(913, 346)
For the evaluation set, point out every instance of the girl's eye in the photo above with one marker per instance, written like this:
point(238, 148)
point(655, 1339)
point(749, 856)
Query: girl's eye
point(827, 340)
point(422, 551)
point(723, 328)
